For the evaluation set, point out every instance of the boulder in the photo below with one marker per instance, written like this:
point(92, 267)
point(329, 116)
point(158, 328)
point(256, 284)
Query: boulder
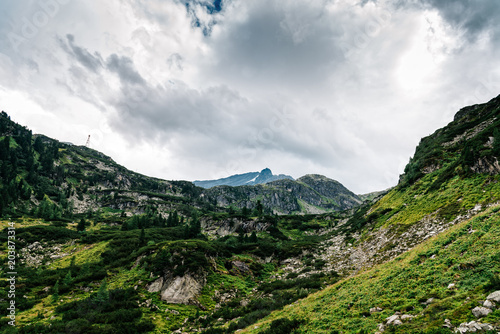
point(489, 304)
point(390, 320)
point(397, 322)
point(407, 317)
point(242, 266)
point(481, 311)
point(375, 309)
point(428, 301)
point(156, 285)
point(495, 296)
point(182, 290)
point(473, 327)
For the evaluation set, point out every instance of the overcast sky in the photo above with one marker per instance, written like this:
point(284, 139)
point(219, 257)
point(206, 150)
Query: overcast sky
point(202, 89)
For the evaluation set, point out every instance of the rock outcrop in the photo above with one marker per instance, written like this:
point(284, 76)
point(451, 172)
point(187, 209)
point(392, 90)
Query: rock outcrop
point(178, 290)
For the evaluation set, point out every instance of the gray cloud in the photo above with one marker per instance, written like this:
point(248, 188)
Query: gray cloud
point(124, 67)
point(471, 16)
point(276, 45)
point(84, 57)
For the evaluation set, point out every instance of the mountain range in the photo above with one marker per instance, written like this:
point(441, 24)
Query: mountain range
point(101, 249)
point(247, 179)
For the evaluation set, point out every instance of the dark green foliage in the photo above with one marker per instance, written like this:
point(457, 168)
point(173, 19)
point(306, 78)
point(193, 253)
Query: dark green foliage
point(450, 211)
point(496, 142)
point(181, 257)
point(55, 292)
point(27, 235)
point(118, 313)
point(493, 283)
point(81, 225)
point(283, 326)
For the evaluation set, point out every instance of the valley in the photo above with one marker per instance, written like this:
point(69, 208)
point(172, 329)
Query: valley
point(102, 249)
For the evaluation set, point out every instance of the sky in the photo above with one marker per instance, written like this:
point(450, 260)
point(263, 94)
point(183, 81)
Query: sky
point(198, 90)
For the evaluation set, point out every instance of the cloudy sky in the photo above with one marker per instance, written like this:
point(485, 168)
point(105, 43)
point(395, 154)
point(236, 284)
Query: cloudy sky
point(205, 89)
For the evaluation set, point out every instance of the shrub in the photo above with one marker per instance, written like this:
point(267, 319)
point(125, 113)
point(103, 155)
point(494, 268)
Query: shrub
point(283, 326)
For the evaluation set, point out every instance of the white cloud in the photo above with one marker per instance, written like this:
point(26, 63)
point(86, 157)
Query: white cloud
point(345, 89)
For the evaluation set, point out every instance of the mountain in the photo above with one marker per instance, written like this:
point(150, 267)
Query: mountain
point(310, 194)
point(100, 249)
point(247, 179)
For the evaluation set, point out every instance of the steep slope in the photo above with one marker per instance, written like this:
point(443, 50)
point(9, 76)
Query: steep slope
point(247, 179)
point(453, 179)
point(446, 277)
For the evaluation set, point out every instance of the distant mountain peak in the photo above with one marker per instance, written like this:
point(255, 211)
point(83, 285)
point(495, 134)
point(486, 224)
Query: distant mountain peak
point(247, 179)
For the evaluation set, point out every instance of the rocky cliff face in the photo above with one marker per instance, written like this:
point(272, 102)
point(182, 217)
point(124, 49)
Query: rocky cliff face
point(471, 143)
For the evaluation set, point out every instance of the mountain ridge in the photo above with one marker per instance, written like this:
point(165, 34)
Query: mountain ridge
point(245, 179)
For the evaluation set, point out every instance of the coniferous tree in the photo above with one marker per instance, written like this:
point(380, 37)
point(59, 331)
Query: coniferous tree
point(142, 237)
point(55, 291)
point(103, 293)
point(81, 225)
point(496, 142)
point(253, 237)
point(68, 279)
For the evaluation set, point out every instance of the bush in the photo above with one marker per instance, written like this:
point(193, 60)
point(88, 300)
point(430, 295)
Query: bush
point(493, 283)
point(283, 326)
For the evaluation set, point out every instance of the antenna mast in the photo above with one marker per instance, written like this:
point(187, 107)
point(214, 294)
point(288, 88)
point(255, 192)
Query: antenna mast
point(88, 141)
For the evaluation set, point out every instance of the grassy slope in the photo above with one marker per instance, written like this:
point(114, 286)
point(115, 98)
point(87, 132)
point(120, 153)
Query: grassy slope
point(467, 255)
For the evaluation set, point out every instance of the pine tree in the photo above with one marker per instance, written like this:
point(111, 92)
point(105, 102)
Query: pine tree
point(496, 142)
point(102, 295)
point(68, 279)
point(81, 225)
point(253, 237)
point(55, 291)
point(142, 237)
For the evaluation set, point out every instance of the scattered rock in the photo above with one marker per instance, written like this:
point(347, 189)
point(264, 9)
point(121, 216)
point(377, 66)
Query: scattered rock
point(407, 317)
point(495, 296)
point(472, 327)
point(451, 285)
point(489, 304)
point(242, 266)
point(397, 322)
point(391, 319)
point(428, 301)
point(480, 311)
point(376, 309)
point(447, 323)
